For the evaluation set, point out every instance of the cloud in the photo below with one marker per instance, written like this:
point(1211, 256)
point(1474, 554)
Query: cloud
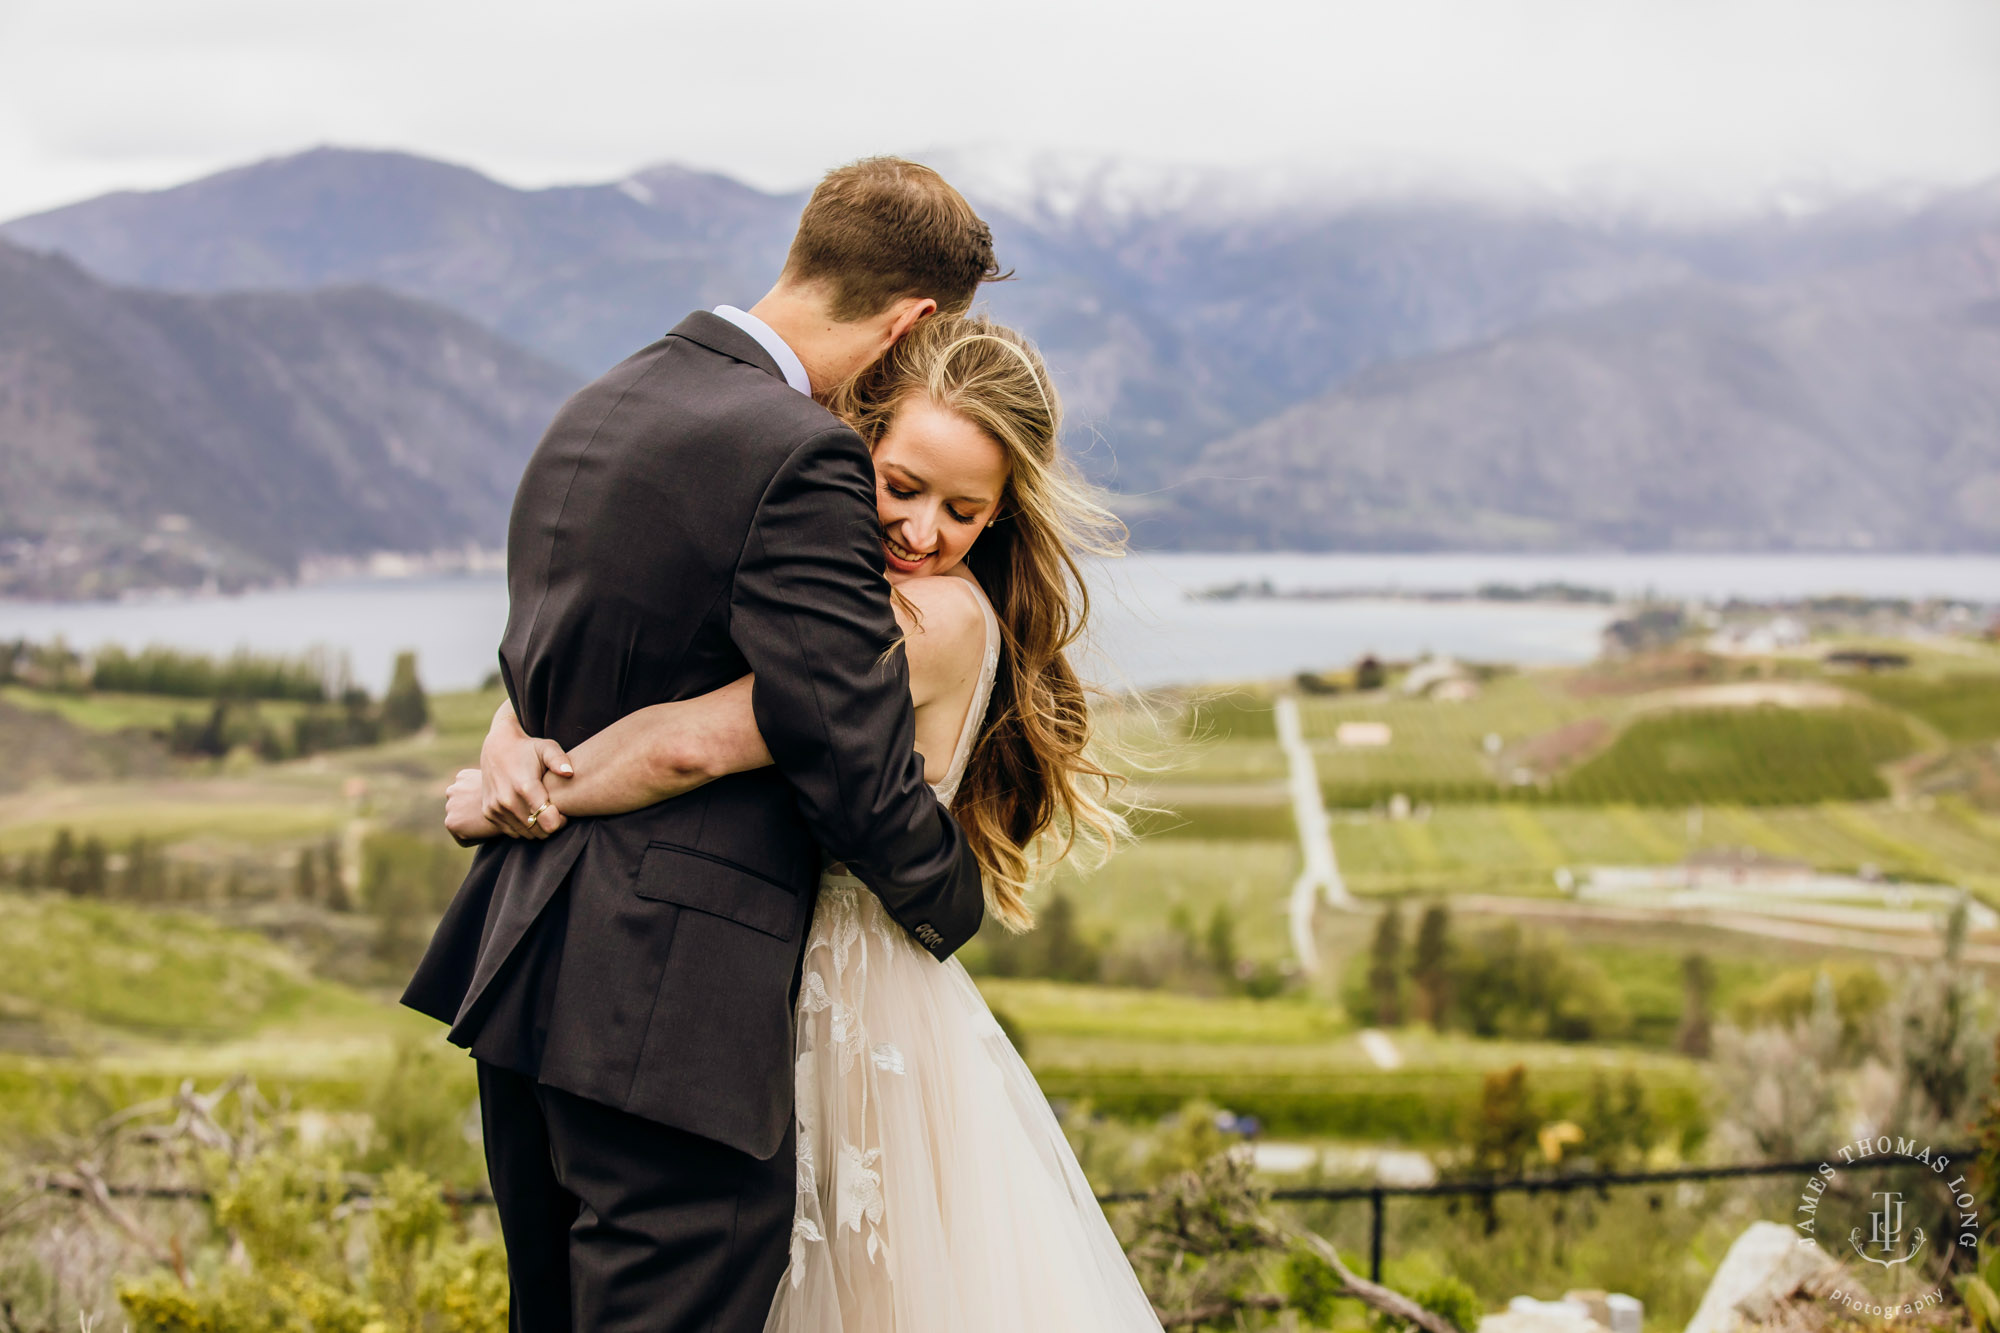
point(1715, 95)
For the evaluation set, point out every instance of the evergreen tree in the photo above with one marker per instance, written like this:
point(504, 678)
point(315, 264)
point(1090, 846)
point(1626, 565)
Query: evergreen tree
point(305, 879)
point(59, 871)
point(1696, 1035)
point(132, 883)
point(1618, 1130)
point(1067, 955)
point(213, 738)
point(1430, 968)
point(405, 708)
point(1220, 944)
point(92, 869)
point(1504, 1130)
point(1385, 967)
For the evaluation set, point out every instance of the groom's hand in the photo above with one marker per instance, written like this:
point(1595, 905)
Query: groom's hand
point(513, 796)
point(464, 810)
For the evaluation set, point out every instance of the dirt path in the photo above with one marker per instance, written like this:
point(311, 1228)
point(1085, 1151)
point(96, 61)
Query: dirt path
point(1750, 693)
point(1320, 878)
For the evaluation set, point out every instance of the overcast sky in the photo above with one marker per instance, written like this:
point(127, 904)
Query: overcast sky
point(1722, 99)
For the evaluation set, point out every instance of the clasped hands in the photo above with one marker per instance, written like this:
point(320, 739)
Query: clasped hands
point(512, 794)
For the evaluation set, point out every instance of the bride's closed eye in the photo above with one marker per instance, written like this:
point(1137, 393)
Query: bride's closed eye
point(899, 493)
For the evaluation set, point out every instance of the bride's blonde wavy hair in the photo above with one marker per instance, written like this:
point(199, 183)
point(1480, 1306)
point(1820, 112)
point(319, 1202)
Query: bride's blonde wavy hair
point(1032, 792)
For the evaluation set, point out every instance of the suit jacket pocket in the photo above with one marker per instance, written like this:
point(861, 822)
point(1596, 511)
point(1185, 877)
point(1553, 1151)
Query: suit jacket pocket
point(707, 883)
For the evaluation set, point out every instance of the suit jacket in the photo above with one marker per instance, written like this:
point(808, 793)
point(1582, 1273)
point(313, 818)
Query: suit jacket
point(689, 518)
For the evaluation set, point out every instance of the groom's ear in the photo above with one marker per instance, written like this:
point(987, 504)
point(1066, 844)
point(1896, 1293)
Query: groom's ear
point(910, 312)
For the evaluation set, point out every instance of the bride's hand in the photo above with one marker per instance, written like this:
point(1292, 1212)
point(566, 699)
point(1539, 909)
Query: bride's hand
point(512, 766)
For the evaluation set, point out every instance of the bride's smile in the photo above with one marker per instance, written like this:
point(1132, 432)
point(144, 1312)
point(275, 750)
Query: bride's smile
point(938, 481)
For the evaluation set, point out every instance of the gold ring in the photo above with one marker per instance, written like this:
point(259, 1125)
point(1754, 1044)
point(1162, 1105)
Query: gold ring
point(537, 814)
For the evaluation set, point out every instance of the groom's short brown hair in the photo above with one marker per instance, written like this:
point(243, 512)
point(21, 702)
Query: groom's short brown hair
point(878, 230)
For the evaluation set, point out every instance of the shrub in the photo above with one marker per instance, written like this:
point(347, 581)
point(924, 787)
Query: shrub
point(406, 879)
point(1502, 1132)
point(1858, 989)
point(348, 724)
point(419, 1110)
point(290, 1216)
point(1506, 982)
point(1055, 949)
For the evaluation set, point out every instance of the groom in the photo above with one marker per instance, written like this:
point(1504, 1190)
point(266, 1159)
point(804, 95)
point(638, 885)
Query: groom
point(626, 984)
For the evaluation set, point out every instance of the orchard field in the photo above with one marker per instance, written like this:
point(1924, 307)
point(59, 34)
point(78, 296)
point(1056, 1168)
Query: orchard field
point(199, 891)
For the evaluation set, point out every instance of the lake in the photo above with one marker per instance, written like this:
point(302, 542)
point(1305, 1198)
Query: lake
point(1148, 631)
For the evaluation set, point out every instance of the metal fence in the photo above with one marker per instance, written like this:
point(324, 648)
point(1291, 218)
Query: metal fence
point(1378, 1196)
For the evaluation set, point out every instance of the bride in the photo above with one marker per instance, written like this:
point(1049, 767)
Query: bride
point(936, 1193)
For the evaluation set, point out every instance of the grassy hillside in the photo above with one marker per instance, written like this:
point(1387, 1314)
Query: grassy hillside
point(81, 970)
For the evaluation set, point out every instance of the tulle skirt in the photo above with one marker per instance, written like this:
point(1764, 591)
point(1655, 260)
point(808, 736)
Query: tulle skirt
point(936, 1191)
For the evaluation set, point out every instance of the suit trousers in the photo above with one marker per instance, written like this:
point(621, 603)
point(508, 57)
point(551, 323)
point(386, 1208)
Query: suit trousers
point(614, 1224)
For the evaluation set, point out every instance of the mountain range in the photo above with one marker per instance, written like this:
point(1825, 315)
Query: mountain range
point(156, 438)
point(1375, 371)
point(1853, 409)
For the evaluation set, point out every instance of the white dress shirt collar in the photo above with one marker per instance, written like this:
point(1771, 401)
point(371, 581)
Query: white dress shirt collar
point(768, 339)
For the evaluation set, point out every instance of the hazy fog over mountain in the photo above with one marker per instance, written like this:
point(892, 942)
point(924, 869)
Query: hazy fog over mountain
point(1258, 365)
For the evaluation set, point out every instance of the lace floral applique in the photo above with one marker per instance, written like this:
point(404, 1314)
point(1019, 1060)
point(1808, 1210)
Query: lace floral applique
point(885, 929)
point(804, 1232)
point(887, 1058)
point(846, 933)
point(806, 1110)
point(844, 1026)
point(859, 1187)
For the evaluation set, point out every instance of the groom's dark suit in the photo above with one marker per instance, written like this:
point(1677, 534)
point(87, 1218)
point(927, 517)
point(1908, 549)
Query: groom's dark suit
point(627, 984)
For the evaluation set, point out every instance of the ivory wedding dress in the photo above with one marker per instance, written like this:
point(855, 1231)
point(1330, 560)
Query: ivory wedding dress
point(936, 1193)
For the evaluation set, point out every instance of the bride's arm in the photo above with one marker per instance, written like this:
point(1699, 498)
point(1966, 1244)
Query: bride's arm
point(669, 749)
point(661, 752)
point(642, 758)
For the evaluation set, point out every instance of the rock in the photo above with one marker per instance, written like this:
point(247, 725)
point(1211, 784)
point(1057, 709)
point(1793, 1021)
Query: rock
point(1628, 1313)
point(1767, 1264)
point(1524, 1314)
point(1613, 1309)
